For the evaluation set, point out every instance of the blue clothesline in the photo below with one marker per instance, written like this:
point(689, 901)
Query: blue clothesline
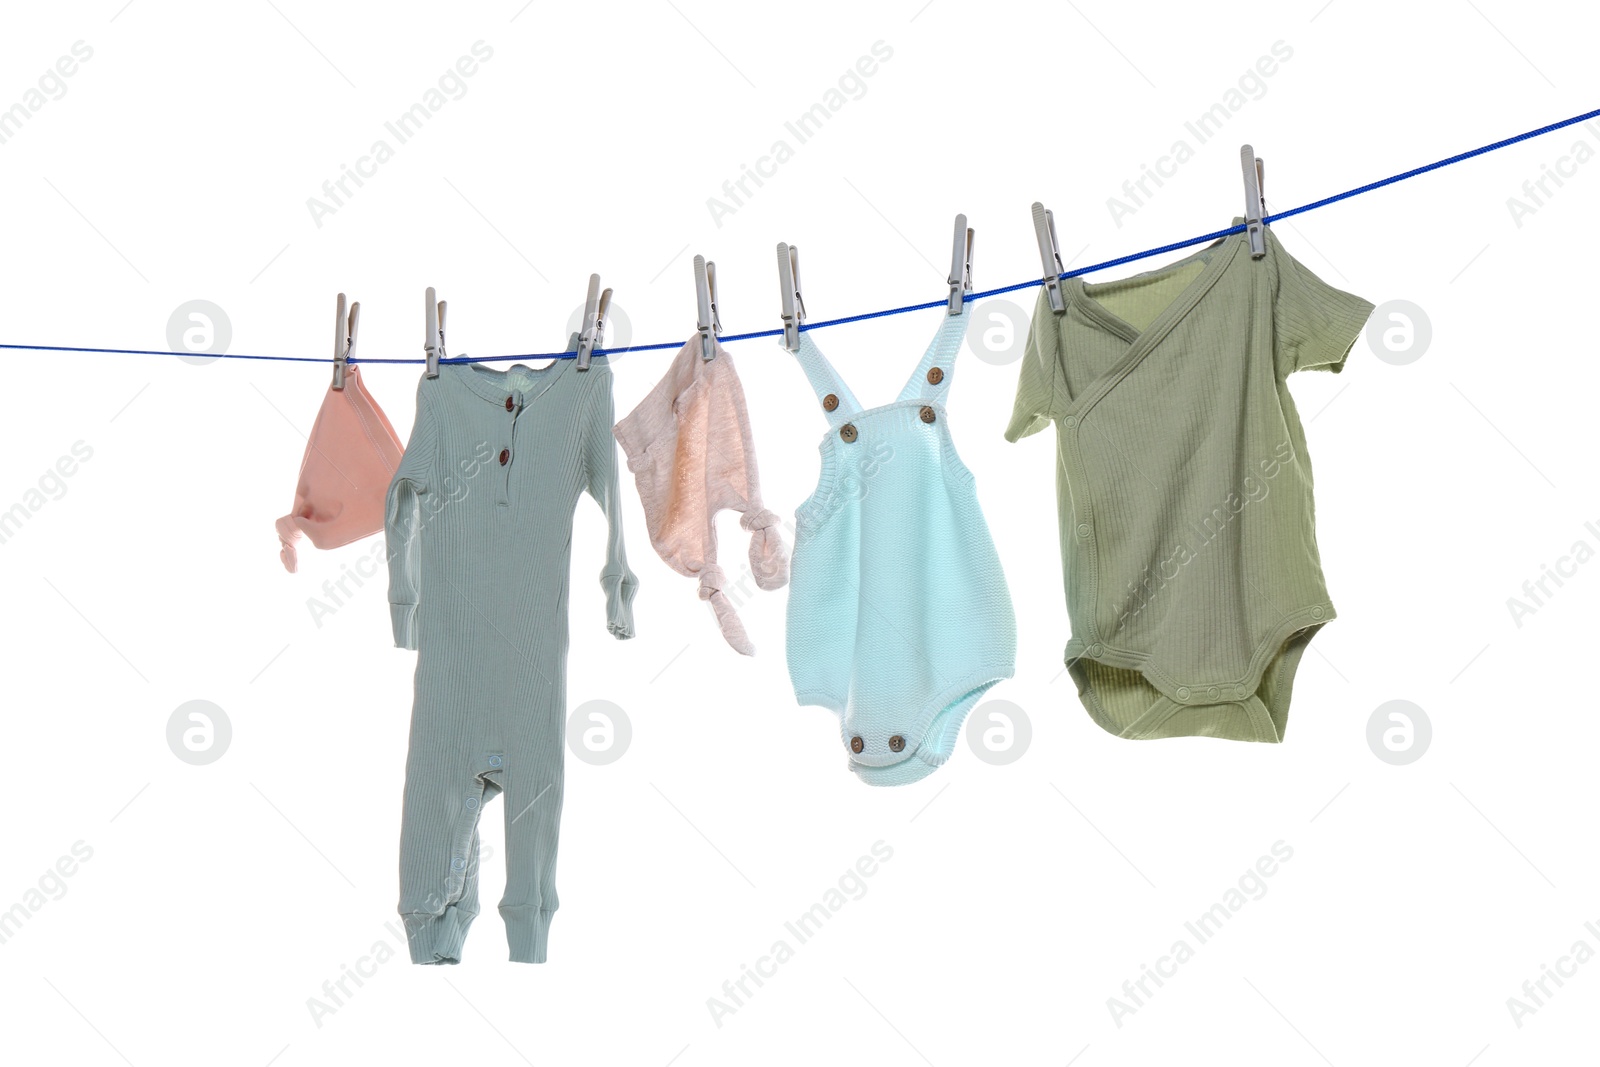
point(941, 302)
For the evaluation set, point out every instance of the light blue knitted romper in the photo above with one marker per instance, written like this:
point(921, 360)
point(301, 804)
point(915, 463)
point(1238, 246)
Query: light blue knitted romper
point(899, 617)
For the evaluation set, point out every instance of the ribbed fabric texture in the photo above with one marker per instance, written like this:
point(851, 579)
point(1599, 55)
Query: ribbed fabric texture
point(1193, 579)
point(692, 455)
point(479, 529)
point(899, 618)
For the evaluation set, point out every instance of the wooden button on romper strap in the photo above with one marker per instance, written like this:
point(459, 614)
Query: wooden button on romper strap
point(896, 743)
point(928, 414)
point(856, 744)
point(847, 432)
point(830, 402)
point(935, 375)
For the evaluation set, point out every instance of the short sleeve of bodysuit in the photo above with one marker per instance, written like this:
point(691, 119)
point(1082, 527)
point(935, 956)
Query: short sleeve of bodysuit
point(1314, 324)
point(1190, 563)
point(1035, 404)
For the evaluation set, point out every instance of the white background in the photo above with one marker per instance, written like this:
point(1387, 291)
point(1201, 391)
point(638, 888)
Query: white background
point(220, 898)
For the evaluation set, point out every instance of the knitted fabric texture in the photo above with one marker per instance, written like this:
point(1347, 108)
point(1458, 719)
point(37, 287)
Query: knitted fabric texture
point(350, 456)
point(899, 616)
point(480, 538)
point(1193, 578)
point(689, 447)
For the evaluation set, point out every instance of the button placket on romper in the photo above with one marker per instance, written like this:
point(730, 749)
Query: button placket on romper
point(490, 707)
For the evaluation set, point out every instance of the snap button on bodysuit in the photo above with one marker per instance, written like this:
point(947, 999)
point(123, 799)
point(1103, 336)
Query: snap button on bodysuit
point(927, 414)
point(935, 375)
point(1212, 693)
point(856, 744)
point(1183, 692)
point(458, 864)
point(494, 761)
point(1083, 529)
point(1070, 421)
point(472, 802)
point(505, 456)
point(830, 402)
point(1316, 613)
point(896, 743)
point(847, 432)
point(1095, 650)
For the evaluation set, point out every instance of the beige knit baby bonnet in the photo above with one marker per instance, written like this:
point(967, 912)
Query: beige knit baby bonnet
point(688, 445)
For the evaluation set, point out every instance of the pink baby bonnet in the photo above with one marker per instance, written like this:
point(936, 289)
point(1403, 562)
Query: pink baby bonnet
point(688, 445)
point(350, 459)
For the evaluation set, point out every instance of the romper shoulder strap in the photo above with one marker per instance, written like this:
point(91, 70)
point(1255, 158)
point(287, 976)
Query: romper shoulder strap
point(931, 379)
point(838, 403)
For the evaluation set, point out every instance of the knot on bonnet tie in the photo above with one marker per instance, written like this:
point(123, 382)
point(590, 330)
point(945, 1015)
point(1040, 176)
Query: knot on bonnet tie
point(689, 447)
point(769, 557)
point(712, 579)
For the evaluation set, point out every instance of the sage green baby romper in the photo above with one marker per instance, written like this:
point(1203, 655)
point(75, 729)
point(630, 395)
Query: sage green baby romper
point(1188, 545)
point(479, 526)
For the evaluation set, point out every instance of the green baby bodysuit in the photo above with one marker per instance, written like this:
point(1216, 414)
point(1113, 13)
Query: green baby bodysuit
point(1188, 544)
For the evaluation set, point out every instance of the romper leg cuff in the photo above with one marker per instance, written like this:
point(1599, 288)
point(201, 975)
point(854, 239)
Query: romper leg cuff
point(527, 932)
point(437, 938)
